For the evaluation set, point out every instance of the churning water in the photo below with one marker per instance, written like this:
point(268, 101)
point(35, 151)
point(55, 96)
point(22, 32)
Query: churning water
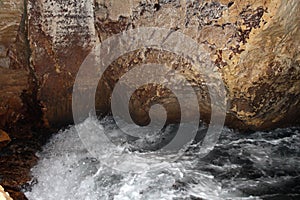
point(261, 165)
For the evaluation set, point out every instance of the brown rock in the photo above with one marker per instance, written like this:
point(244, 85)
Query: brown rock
point(61, 33)
point(264, 84)
point(253, 43)
point(11, 15)
point(254, 46)
point(4, 139)
point(16, 161)
point(4, 195)
point(13, 85)
point(245, 40)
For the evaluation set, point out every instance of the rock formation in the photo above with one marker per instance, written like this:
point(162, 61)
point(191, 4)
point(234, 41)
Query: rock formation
point(4, 139)
point(4, 195)
point(253, 44)
point(11, 17)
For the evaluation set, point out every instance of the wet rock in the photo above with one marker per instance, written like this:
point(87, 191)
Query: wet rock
point(12, 86)
point(4, 195)
point(4, 139)
point(17, 159)
point(244, 40)
point(11, 17)
point(61, 33)
point(252, 44)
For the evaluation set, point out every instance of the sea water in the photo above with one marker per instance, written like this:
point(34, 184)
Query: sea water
point(259, 165)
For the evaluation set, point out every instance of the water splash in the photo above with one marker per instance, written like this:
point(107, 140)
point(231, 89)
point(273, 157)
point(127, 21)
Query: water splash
point(263, 165)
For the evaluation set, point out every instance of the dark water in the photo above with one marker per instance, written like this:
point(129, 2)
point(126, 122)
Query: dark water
point(261, 165)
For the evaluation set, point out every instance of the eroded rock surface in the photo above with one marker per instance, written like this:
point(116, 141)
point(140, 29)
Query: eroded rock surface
point(61, 33)
point(253, 45)
point(13, 85)
point(19, 117)
point(4, 195)
point(11, 17)
point(4, 139)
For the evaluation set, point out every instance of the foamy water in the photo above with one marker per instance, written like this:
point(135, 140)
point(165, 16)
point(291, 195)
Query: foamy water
point(262, 165)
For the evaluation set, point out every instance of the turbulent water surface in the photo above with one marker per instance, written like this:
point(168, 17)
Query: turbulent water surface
point(261, 165)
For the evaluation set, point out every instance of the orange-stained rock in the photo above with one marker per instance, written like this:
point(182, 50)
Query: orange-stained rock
point(61, 34)
point(4, 195)
point(13, 84)
point(254, 45)
point(4, 139)
point(11, 16)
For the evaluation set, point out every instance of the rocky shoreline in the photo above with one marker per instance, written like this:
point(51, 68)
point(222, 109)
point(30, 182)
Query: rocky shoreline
point(254, 45)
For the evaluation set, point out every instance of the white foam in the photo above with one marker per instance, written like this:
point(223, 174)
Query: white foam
point(66, 170)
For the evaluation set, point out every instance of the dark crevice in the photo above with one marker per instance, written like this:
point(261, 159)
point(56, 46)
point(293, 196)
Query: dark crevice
point(157, 6)
point(230, 4)
point(34, 106)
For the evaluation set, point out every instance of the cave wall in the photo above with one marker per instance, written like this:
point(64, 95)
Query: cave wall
point(254, 45)
point(60, 34)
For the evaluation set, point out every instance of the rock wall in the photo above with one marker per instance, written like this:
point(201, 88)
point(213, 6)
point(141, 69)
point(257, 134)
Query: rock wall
point(60, 34)
point(264, 83)
point(254, 45)
point(4, 139)
point(11, 16)
point(4, 195)
point(15, 98)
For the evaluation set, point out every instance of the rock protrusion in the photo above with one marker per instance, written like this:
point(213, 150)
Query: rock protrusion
point(4, 139)
point(4, 195)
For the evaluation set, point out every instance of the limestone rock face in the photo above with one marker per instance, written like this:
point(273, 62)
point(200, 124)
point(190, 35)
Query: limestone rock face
point(254, 45)
point(60, 33)
point(4, 139)
point(13, 87)
point(11, 17)
point(4, 195)
point(263, 84)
